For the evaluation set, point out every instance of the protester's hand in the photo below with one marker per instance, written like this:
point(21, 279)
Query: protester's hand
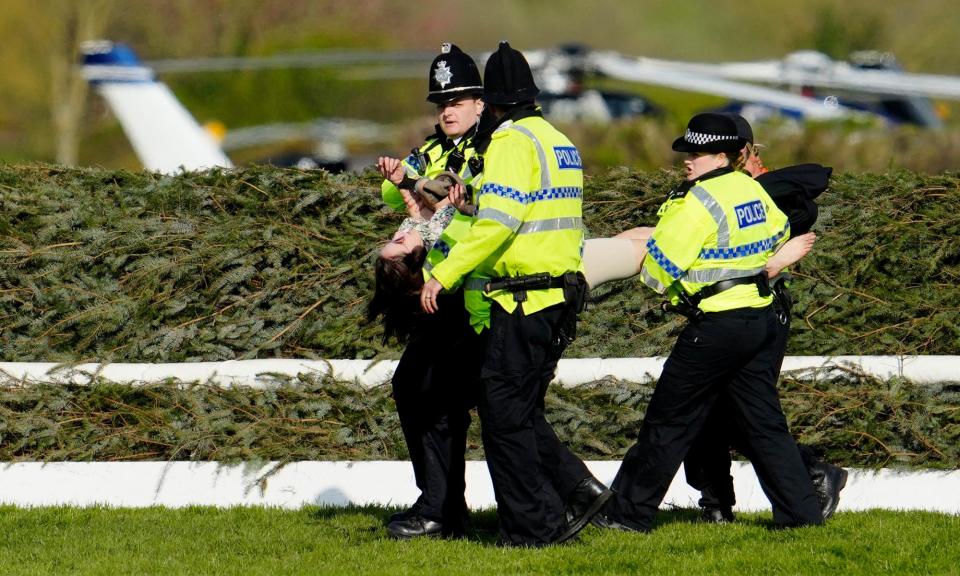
point(428, 295)
point(416, 207)
point(391, 169)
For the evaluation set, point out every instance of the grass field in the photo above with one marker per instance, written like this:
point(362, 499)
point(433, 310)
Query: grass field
point(352, 541)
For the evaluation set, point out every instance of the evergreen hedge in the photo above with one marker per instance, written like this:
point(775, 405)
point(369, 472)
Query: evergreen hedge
point(139, 267)
point(262, 262)
point(855, 420)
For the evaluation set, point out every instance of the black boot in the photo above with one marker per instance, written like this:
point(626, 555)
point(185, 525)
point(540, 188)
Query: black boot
point(717, 514)
point(414, 526)
point(403, 515)
point(828, 480)
point(602, 520)
point(587, 499)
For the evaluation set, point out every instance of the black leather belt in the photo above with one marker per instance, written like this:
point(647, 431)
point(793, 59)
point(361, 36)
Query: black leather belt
point(760, 280)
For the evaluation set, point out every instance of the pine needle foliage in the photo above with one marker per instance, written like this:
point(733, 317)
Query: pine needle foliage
point(855, 419)
point(263, 262)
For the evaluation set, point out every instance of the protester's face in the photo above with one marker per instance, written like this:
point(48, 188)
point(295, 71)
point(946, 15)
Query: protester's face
point(457, 117)
point(403, 243)
point(699, 163)
point(753, 164)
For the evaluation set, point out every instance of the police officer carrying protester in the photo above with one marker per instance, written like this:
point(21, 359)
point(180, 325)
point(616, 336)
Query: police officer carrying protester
point(708, 254)
point(707, 465)
point(434, 384)
point(527, 240)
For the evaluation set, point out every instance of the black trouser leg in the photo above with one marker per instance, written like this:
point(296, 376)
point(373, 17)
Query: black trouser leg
point(725, 351)
point(564, 468)
point(519, 443)
point(707, 464)
point(772, 449)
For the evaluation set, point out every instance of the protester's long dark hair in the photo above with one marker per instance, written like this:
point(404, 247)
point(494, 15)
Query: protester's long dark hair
point(396, 292)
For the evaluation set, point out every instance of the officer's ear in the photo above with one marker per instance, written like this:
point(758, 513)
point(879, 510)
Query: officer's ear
point(480, 106)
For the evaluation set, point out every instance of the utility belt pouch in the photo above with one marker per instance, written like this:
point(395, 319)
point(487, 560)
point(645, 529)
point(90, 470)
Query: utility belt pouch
point(782, 301)
point(763, 284)
point(575, 291)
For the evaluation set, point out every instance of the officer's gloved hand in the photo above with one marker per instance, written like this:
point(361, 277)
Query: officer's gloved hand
point(436, 189)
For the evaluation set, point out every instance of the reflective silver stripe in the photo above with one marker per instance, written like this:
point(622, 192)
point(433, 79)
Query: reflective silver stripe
point(427, 265)
point(544, 167)
point(711, 275)
point(475, 284)
point(568, 223)
point(716, 210)
point(498, 216)
point(652, 282)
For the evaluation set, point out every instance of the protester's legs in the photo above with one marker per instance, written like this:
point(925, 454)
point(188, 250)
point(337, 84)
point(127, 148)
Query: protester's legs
point(608, 259)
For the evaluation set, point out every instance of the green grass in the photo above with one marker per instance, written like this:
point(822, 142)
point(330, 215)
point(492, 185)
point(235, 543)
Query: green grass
point(352, 541)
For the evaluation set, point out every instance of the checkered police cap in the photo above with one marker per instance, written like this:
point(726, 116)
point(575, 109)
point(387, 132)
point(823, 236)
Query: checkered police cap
point(710, 132)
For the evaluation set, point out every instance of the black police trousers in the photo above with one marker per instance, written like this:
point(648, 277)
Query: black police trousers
point(733, 353)
point(434, 387)
point(707, 465)
point(533, 473)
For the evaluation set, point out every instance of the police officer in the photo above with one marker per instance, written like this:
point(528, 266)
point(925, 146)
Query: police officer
point(527, 239)
point(708, 254)
point(434, 385)
point(707, 465)
point(456, 89)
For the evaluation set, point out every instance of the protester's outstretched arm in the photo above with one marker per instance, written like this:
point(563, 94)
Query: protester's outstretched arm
point(790, 253)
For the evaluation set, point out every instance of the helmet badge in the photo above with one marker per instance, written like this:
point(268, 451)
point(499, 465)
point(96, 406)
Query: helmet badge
point(443, 75)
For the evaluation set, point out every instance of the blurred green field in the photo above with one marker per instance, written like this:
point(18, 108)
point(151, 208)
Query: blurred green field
point(352, 541)
point(41, 44)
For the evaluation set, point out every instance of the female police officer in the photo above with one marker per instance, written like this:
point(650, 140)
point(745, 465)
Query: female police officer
point(708, 254)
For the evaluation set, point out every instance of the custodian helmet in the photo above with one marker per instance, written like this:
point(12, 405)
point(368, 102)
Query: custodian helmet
point(509, 79)
point(453, 74)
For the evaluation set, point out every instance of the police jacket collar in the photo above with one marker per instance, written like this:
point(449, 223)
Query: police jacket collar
point(681, 190)
point(489, 124)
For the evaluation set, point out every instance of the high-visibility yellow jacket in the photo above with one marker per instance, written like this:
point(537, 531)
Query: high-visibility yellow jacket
point(436, 152)
point(725, 227)
point(529, 217)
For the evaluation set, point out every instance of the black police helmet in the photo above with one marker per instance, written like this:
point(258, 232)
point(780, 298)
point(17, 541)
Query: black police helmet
point(509, 80)
point(453, 75)
point(712, 133)
point(744, 130)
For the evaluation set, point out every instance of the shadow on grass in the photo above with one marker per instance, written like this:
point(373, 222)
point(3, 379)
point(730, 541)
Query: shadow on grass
point(371, 520)
point(366, 522)
point(693, 516)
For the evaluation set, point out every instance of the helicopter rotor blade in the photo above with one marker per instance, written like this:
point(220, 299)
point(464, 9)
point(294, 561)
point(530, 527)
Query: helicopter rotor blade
point(808, 68)
point(643, 71)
